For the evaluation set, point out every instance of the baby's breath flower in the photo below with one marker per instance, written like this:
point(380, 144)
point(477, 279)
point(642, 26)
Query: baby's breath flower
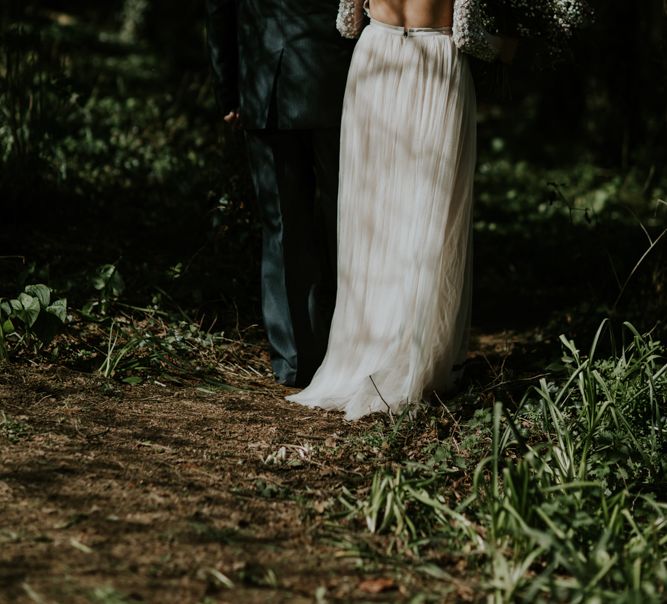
point(551, 21)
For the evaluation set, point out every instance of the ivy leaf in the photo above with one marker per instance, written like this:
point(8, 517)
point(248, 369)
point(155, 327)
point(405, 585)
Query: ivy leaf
point(29, 310)
point(58, 309)
point(7, 327)
point(108, 279)
point(41, 292)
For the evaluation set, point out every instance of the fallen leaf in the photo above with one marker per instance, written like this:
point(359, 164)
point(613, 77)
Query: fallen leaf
point(376, 586)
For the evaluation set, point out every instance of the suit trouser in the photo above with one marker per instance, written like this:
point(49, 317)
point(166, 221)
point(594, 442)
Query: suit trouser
point(295, 174)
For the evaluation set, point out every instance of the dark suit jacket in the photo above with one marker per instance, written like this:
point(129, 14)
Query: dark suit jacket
point(291, 46)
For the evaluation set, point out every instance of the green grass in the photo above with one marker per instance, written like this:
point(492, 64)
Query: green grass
point(128, 202)
point(568, 501)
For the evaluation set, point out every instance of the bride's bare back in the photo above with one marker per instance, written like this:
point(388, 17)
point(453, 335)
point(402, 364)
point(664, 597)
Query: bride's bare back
point(413, 13)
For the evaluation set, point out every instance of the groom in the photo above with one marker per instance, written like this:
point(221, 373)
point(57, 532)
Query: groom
point(279, 70)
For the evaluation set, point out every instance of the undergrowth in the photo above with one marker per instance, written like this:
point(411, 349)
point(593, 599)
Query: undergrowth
point(133, 208)
point(567, 501)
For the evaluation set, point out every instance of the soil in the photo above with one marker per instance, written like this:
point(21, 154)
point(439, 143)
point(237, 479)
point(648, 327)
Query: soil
point(155, 493)
point(113, 493)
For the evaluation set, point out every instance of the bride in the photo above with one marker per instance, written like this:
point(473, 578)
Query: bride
point(407, 162)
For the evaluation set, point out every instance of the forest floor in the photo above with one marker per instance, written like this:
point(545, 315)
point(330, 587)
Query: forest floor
point(199, 483)
point(114, 493)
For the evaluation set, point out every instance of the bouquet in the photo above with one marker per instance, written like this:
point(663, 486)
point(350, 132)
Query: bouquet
point(551, 23)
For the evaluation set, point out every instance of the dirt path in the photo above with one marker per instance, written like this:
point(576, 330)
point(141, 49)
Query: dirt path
point(154, 494)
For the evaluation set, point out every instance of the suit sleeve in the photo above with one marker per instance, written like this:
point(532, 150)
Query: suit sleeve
point(222, 40)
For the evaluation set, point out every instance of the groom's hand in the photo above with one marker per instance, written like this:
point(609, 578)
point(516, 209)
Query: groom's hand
point(233, 118)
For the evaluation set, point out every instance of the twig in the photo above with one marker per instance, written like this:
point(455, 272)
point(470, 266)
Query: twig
point(21, 258)
point(391, 415)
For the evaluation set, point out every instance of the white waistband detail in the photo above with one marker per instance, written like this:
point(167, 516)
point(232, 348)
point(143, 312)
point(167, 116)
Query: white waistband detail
point(411, 31)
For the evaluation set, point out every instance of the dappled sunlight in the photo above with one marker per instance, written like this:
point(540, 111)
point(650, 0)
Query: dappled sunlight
point(146, 452)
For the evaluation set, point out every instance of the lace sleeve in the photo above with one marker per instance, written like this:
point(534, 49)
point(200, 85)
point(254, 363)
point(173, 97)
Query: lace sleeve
point(469, 34)
point(350, 19)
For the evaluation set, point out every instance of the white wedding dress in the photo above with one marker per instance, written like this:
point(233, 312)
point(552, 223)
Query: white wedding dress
point(404, 224)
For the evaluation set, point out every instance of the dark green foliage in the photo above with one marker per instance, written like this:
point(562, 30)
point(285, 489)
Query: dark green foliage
point(118, 189)
point(567, 502)
point(109, 285)
point(110, 155)
point(31, 320)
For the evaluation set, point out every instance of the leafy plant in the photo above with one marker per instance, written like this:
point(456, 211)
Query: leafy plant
point(31, 319)
point(573, 508)
point(109, 285)
point(569, 502)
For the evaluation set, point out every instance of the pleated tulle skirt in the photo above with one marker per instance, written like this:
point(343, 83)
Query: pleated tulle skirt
point(404, 224)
